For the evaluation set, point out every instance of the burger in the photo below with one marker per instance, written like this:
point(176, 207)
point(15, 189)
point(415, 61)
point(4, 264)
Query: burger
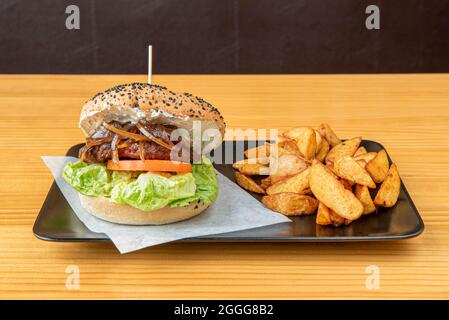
point(126, 171)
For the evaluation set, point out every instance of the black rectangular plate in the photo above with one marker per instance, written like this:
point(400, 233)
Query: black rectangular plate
point(57, 221)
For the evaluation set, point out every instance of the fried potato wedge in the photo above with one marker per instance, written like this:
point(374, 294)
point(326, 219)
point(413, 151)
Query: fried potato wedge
point(326, 216)
point(362, 193)
point(328, 190)
point(327, 133)
point(346, 148)
point(299, 183)
point(270, 180)
point(246, 161)
point(323, 150)
point(262, 151)
point(306, 140)
point(367, 157)
point(319, 140)
point(362, 163)
point(378, 166)
point(289, 147)
point(360, 151)
point(265, 182)
point(348, 168)
point(323, 215)
point(280, 140)
point(388, 193)
point(251, 169)
point(248, 183)
point(291, 204)
point(287, 164)
point(346, 184)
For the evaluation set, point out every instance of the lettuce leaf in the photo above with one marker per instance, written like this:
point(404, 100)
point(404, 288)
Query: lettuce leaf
point(206, 184)
point(151, 191)
point(145, 191)
point(88, 179)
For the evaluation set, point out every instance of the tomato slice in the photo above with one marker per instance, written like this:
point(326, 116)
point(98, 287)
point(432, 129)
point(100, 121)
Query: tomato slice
point(149, 165)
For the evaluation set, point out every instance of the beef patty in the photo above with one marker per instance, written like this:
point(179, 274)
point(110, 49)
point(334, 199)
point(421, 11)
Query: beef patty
point(103, 152)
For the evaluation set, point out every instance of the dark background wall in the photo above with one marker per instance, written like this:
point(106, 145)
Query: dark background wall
point(224, 36)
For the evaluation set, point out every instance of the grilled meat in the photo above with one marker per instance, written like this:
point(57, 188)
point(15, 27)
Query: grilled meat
point(99, 149)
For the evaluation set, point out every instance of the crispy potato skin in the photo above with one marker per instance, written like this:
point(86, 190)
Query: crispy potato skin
point(378, 167)
point(291, 204)
point(306, 141)
point(250, 167)
point(258, 152)
point(248, 183)
point(362, 193)
point(326, 216)
point(360, 151)
point(348, 168)
point(326, 131)
point(328, 190)
point(323, 150)
point(286, 165)
point(366, 156)
point(299, 183)
point(388, 193)
point(346, 148)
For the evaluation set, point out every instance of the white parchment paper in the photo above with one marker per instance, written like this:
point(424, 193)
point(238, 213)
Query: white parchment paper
point(233, 210)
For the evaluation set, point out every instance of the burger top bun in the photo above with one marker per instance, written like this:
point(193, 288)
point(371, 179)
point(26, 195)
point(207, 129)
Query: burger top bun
point(141, 101)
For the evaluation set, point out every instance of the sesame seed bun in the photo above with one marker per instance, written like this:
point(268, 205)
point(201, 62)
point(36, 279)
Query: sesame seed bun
point(105, 209)
point(142, 101)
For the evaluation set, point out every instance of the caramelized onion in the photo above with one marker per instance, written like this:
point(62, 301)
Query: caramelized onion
point(96, 142)
point(123, 133)
point(114, 148)
point(141, 150)
point(125, 144)
point(153, 138)
point(138, 137)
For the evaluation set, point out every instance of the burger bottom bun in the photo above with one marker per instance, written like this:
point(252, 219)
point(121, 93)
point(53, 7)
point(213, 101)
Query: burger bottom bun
point(105, 209)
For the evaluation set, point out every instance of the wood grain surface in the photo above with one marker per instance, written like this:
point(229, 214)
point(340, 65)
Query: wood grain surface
point(408, 114)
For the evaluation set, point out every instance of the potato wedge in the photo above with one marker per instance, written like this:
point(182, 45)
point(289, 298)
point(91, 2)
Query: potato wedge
point(367, 157)
point(327, 189)
point(346, 184)
point(326, 216)
point(362, 163)
point(305, 139)
point(248, 183)
point(287, 164)
point(291, 204)
point(280, 140)
point(299, 183)
point(360, 151)
point(362, 193)
point(270, 180)
point(327, 133)
point(388, 193)
point(378, 166)
point(289, 147)
point(347, 168)
point(323, 215)
point(262, 151)
point(323, 150)
point(319, 140)
point(246, 161)
point(346, 148)
point(265, 182)
point(250, 169)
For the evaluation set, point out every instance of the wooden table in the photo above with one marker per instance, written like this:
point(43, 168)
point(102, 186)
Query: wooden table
point(409, 114)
